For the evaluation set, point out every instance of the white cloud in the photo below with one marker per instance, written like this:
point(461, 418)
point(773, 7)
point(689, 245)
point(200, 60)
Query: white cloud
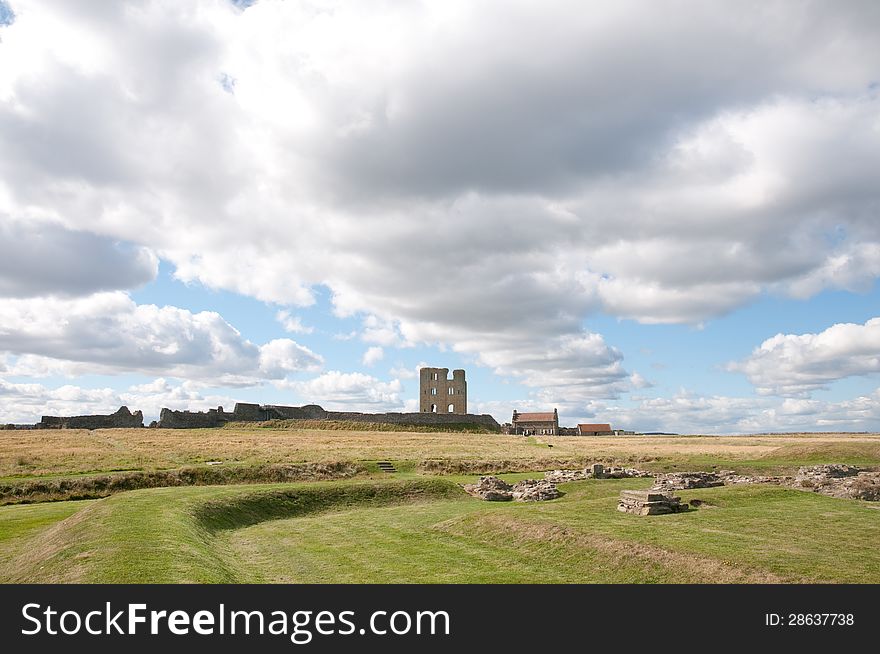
point(373, 355)
point(384, 333)
point(402, 372)
point(109, 333)
point(489, 211)
point(282, 355)
point(45, 258)
point(639, 382)
point(349, 392)
point(797, 364)
point(291, 323)
point(687, 412)
point(26, 403)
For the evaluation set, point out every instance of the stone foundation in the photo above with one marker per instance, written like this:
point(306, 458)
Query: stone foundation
point(493, 489)
point(639, 502)
point(595, 471)
point(685, 480)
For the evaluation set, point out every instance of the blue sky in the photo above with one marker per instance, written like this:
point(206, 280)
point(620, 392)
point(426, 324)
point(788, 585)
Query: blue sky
point(659, 219)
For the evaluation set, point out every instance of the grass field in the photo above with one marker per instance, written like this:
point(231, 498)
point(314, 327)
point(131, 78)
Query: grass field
point(417, 527)
point(25, 454)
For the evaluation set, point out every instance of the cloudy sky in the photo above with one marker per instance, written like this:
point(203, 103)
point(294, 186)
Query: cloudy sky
point(664, 215)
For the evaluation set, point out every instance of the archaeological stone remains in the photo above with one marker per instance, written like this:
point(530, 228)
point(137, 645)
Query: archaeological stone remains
point(840, 480)
point(649, 502)
point(686, 480)
point(493, 489)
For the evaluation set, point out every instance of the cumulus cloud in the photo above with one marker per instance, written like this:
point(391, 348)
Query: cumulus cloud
point(26, 403)
point(282, 355)
point(353, 391)
point(385, 333)
point(44, 258)
point(687, 412)
point(797, 364)
point(291, 323)
point(690, 413)
point(373, 355)
point(110, 333)
point(402, 372)
point(490, 210)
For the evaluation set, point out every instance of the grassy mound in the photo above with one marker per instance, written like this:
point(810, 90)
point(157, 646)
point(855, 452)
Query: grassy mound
point(429, 531)
point(354, 425)
point(253, 508)
point(97, 486)
point(747, 534)
point(169, 535)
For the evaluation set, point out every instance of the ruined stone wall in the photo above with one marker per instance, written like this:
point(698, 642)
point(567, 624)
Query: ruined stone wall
point(307, 412)
point(121, 418)
point(484, 420)
point(169, 419)
point(246, 412)
point(256, 413)
point(441, 395)
point(243, 412)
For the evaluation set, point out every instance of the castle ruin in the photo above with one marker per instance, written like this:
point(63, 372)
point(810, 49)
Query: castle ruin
point(122, 418)
point(442, 401)
point(439, 394)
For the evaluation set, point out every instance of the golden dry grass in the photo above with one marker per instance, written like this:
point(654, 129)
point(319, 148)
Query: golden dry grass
point(64, 452)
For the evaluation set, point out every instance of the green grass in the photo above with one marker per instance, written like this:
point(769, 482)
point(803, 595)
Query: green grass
point(353, 425)
point(784, 460)
point(20, 524)
point(426, 530)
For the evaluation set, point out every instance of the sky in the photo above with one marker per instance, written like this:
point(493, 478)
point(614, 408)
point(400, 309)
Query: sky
point(663, 215)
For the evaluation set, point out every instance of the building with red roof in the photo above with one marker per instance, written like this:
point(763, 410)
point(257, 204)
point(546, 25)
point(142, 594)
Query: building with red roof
point(535, 424)
point(595, 429)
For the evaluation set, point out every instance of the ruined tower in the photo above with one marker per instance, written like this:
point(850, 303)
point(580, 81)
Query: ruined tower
point(438, 394)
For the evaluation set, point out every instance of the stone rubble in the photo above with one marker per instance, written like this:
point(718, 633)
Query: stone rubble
point(686, 480)
point(490, 488)
point(823, 473)
point(835, 480)
point(647, 502)
point(626, 473)
point(493, 489)
point(730, 478)
point(839, 480)
point(535, 490)
point(560, 476)
point(864, 486)
point(595, 471)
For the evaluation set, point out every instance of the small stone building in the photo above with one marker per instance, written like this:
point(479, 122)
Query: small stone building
point(438, 394)
point(595, 429)
point(535, 424)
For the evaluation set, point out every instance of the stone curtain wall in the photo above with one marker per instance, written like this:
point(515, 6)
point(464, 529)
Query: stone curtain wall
point(122, 418)
point(256, 413)
point(245, 412)
point(484, 420)
point(169, 419)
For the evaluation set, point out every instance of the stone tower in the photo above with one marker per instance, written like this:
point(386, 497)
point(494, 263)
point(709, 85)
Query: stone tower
point(438, 394)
